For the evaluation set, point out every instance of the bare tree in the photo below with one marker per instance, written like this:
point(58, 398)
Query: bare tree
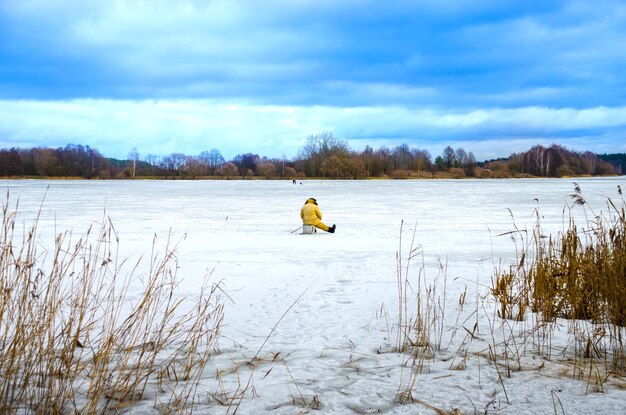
point(229, 169)
point(470, 165)
point(402, 157)
point(320, 147)
point(422, 160)
point(133, 156)
point(212, 158)
point(449, 157)
point(266, 169)
point(461, 157)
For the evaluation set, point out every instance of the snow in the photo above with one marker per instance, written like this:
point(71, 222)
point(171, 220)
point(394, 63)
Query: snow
point(321, 311)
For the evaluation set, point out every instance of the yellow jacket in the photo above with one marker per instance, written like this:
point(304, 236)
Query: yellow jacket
point(310, 213)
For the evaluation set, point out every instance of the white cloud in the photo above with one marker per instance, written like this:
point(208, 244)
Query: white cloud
point(306, 52)
point(190, 126)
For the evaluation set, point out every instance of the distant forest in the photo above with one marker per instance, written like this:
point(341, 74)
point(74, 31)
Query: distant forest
point(323, 156)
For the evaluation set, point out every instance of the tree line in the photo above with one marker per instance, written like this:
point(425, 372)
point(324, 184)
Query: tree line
point(323, 155)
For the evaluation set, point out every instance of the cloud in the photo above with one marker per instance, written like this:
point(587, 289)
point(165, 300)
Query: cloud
point(256, 76)
point(190, 126)
point(572, 50)
point(275, 52)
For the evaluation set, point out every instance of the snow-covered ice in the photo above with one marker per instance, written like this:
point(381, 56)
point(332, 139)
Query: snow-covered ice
point(324, 307)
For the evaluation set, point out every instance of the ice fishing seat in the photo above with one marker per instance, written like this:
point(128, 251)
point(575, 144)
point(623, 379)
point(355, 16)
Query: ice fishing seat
point(308, 229)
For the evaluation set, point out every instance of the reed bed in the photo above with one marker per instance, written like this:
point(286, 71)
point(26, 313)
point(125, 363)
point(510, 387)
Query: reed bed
point(74, 339)
point(577, 276)
point(563, 298)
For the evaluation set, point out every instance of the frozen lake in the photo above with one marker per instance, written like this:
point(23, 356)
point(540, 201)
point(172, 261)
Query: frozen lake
point(242, 232)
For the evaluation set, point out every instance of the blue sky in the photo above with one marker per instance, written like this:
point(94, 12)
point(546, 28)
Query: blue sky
point(164, 76)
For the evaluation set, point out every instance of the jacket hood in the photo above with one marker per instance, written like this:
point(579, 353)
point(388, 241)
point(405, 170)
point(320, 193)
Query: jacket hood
point(311, 200)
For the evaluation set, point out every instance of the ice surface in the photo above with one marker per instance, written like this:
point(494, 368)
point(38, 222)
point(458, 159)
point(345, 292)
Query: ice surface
point(335, 341)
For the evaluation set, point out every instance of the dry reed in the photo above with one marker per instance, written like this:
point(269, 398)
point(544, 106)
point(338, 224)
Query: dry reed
point(578, 275)
point(421, 315)
point(73, 340)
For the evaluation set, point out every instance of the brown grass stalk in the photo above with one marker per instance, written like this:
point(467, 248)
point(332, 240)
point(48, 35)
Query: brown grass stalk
point(577, 275)
point(71, 338)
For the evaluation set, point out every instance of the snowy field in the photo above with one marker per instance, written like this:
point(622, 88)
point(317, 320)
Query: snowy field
point(320, 312)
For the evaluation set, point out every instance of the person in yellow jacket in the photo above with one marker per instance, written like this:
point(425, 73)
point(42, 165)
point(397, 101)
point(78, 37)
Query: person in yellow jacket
point(311, 215)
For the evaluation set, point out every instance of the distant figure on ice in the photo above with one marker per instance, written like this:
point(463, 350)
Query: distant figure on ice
point(311, 216)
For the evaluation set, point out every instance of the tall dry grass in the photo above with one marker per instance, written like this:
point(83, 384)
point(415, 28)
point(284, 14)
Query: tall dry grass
point(74, 338)
point(420, 316)
point(564, 298)
point(578, 275)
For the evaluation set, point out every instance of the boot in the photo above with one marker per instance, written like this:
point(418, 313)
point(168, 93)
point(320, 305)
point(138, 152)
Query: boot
point(332, 229)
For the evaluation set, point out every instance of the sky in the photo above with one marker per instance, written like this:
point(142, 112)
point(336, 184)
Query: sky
point(183, 76)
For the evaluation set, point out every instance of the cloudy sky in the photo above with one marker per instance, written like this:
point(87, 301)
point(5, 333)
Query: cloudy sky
point(164, 76)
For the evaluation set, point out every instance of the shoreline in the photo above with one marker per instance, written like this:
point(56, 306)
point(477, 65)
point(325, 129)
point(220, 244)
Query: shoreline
point(300, 179)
